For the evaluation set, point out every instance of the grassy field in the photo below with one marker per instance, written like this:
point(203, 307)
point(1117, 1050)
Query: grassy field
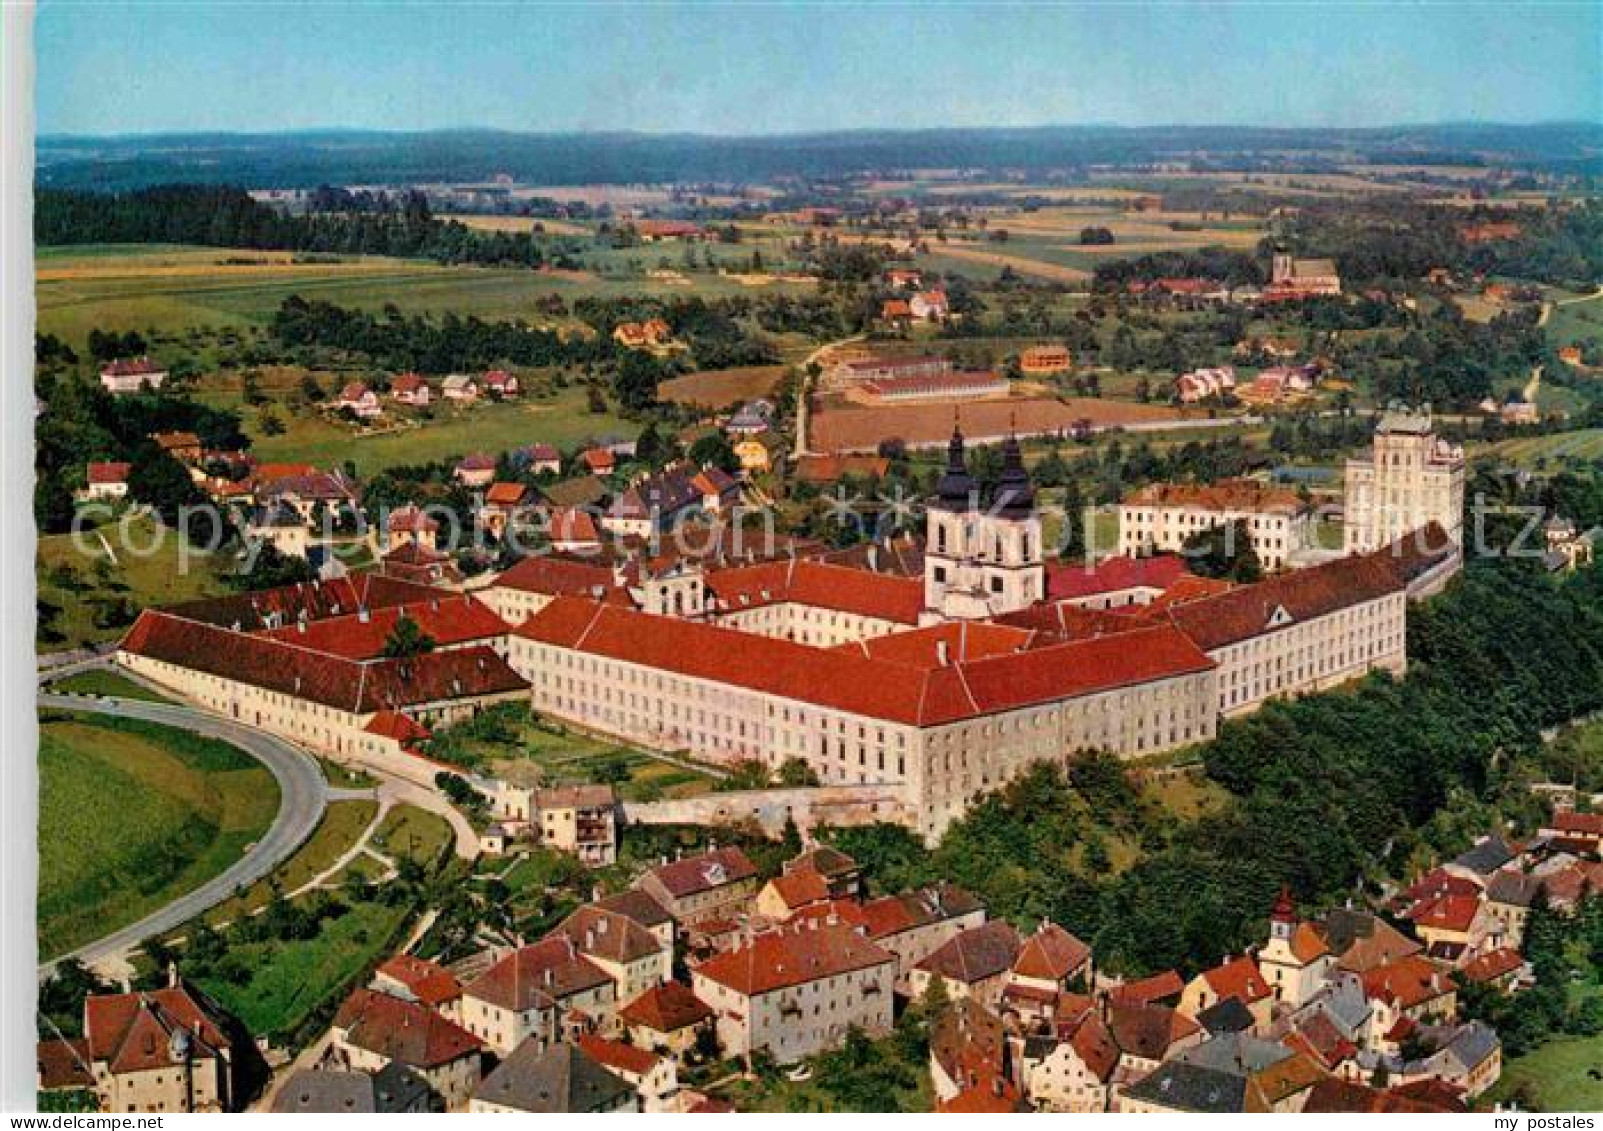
point(83, 588)
point(412, 832)
point(1533, 452)
point(100, 681)
point(283, 982)
point(1555, 1076)
point(341, 827)
point(1575, 319)
point(185, 808)
point(548, 756)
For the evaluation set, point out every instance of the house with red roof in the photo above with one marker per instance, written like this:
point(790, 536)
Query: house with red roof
point(105, 480)
point(417, 979)
point(500, 383)
point(930, 306)
point(477, 469)
point(710, 885)
point(973, 963)
point(1072, 1069)
point(797, 991)
point(786, 894)
point(653, 1076)
point(374, 1030)
point(162, 1050)
point(1238, 978)
point(1295, 960)
point(626, 951)
point(411, 389)
point(359, 400)
point(543, 991)
point(1405, 993)
point(598, 461)
point(666, 1018)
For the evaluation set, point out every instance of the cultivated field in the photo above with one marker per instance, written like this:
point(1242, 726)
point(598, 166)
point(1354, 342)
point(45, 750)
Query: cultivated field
point(1531, 451)
point(722, 388)
point(850, 428)
point(132, 815)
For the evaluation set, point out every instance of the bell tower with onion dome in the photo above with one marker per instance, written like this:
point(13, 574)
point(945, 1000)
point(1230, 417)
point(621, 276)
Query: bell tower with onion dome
point(982, 557)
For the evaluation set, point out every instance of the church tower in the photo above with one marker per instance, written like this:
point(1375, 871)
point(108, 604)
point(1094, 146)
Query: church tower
point(982, 561)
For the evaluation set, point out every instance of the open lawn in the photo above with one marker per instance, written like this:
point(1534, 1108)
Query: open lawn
point(341, 827)
point(412, 832)
point(1575, 318)
point(132, 815)
point(102, 682)
point(83, 601)
point(1556, 1077)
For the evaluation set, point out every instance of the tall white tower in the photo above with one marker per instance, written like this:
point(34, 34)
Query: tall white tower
point(981, 560)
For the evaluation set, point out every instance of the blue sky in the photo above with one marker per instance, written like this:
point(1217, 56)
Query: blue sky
point(136, 67)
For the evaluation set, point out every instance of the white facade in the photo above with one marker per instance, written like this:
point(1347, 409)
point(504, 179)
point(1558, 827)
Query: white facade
point(1411, 480)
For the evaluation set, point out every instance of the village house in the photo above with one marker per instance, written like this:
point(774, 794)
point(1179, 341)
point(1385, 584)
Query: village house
point(536, 1079)
point(417, 979)
point(392, 1090)
point(1238, 978)
point(500, 383)
point(185, 447)
point(654, 1078)
point(359, 400)
point(714, 884)
point(796, 992)
point(410, 389)
point(1200, 384)
point(1291, 278)
point(667, 1018)
point(571, 530)
point(752, 418)
point(475, 470)
point(929, 306)
point(626, 951)
point(541, 459)
point(373, 1030)
point(652, 505)
point(718, 489)
point(158, 1050)
point(541, 992)
point(506, 503)
point(853, 371)
point(955, 386)
point(1404, 994)
point(1045, 361)
point(459, 387)
point(105, 480)
point(973, 963)
point(131, 375)
point(653, 333)
point(598, 461)
point(410, 525)
point(1072, 1070)
point(759, 454)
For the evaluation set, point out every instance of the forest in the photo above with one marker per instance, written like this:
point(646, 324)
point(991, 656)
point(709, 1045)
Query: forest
point(223, 216)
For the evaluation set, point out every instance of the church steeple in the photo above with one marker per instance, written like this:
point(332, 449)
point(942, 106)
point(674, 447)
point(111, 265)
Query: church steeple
point(1015, 494)
point(955, 491)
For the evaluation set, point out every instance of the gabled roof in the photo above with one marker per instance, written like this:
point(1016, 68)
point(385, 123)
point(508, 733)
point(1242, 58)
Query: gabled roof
point(505, 494)
point(539, 976)
point(1066, 580)
point(1145, 991)
point(1240, 977)
point(1491, 966)
point(799, 887)
point(1148, 1031)
point(892, 914)
point(783, 958)
point(695, 874)
point(826, 860)
point(1094, 1044)
point(1485, 857)
point(1406, 983)
point(112, 472)
point(609, 935)
point(63, 1064)
point(1227, 1015)
point(559, 1079)
point(133, 1032)
point(1445, 913)
point(1180, 1086)
point(666, 1008)
point(638, 905)
point(448, 620)
point(429, 982)
point(403, 1030)
point(618, 1056)
point(1051, 954)
point(976, 954)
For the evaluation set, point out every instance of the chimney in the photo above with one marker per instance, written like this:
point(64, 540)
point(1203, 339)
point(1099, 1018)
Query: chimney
point(363, 615)
point(941, 653)
point(873, 556)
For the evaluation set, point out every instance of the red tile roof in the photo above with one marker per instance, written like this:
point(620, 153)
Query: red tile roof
point(1492, 965)
point(617, 1055)
point(398, 725)
point(448, 621)
point(802, 582)
point(1094, 1044)
point(505, 494)
point(403, 1031)
point(63, 1064)
point(782, 958)
point(1144, 991)
point(334, 681)
point(1446, 913)
point(1051, 954)
point(666, 1008)
point(558, 576)
point(856, 684)
point(800, 887)
point(694, 874)
point(109, 472)
point(1112, 575)
point(976, 954)
point(569, 524)
point(429, 982)
point(1149, 1031)
point(132, 1032)
point(1224, 495)
point(1239, 978)
point(314, 600)
point(131, 367)
point(407, 383)
point(1406, 982)
point(537, 976)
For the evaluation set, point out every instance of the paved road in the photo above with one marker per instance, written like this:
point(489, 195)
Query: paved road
point(303, 795)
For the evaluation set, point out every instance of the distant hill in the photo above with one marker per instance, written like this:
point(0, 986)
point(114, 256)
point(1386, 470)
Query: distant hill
point(307, 159)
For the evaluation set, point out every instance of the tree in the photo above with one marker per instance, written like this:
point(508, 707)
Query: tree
point(714, 450)
point(407, 638)
point(1223, 551)
point(795, 772)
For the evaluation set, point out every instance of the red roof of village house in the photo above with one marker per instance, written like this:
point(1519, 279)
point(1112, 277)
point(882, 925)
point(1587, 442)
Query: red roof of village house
point(505, 494)
point(498, 378)
point(403, 1031)
point(411, 519)
point(1238, 978)
point(704, 872)
point(781, 958)
point(314, 600)
point(895, 308)
point(666, 1008)
point(1112, 575)
point(800, 887)
point(429, 982)
point(617, 1055)
point(857, 684)
point(976, 954)
point(1445, 913)
point(991, 1095)
point(1144, 991)
point(335, 681)
point(407, 383)
point(109, 472)
point(570, 524)
point(1492, 965)
point(131, 367)
point(63, 1063)
point(1405, 982)
point(131, 1032)
point(538, 975)
point(1051, 954)
point(963, 640)
point(1571, 823)
point(354, 391)
point(1148, 1031)
point(447, 620)
point(598, 459)
point(476, 461)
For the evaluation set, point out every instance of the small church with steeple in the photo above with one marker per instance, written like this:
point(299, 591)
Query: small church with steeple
point(982, 555)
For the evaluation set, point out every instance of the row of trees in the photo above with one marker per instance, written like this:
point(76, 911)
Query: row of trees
point(224, 216)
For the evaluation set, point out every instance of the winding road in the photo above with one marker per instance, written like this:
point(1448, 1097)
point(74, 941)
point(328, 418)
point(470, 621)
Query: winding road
point(303, 795)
